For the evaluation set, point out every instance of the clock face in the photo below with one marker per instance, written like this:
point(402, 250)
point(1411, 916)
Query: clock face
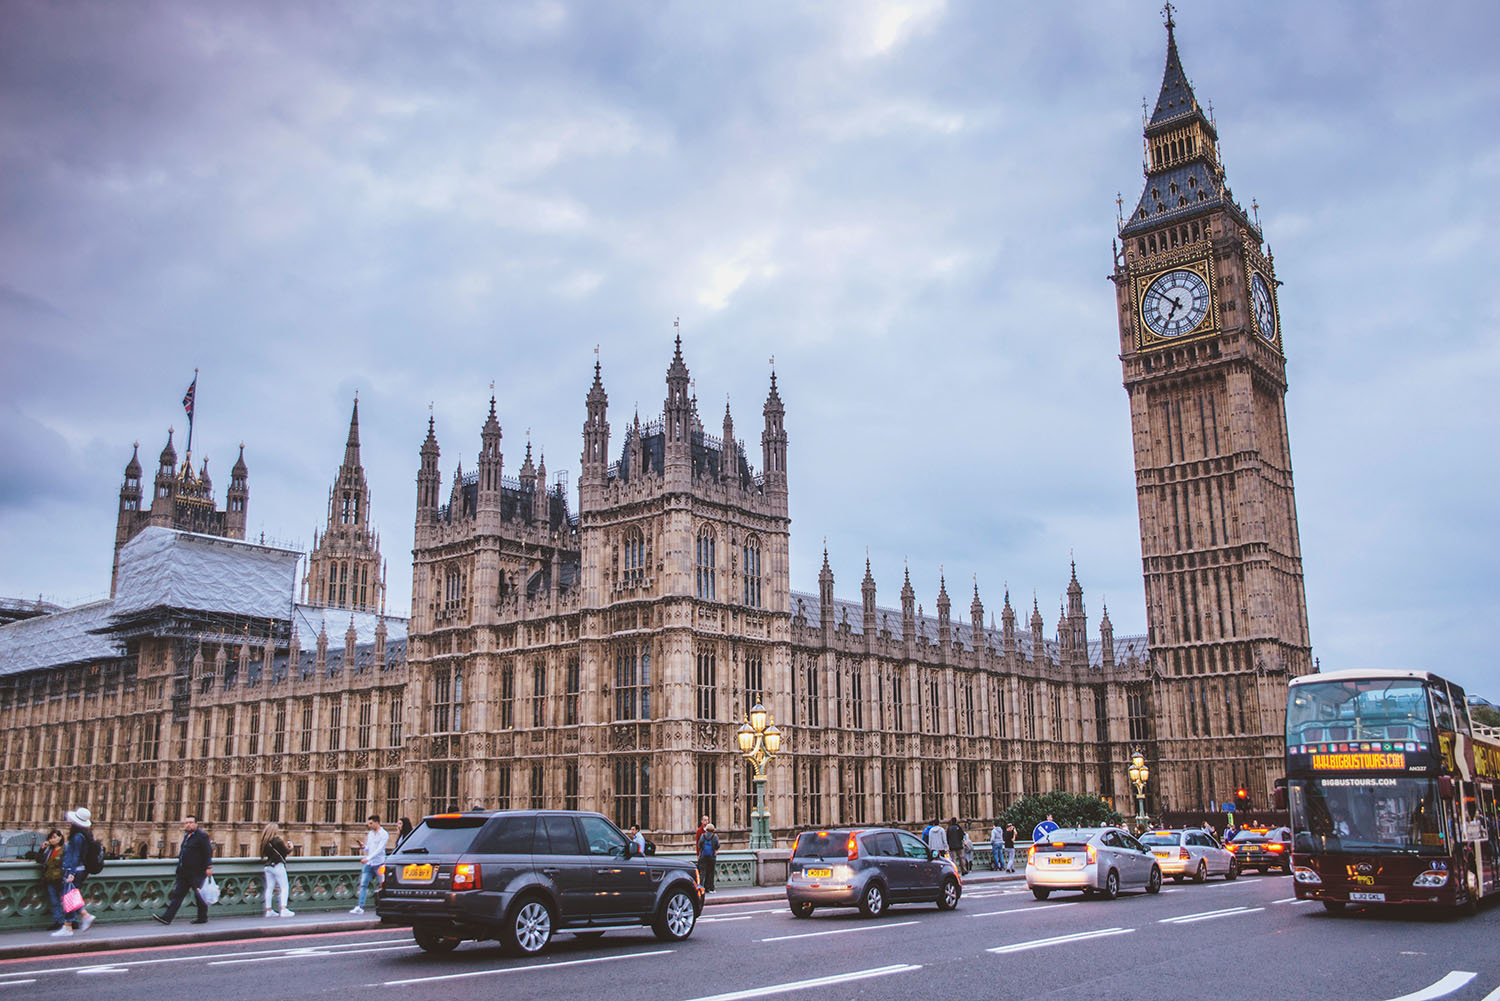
point(1260, 303)
point(1175, 303)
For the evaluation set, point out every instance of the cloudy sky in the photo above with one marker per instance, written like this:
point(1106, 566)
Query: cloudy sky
point(909, 204)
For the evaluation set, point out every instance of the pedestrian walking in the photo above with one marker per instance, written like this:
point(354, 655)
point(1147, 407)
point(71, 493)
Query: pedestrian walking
point(273, 855)
point(708, 851)
point(1043, 829)
point(195, 863)
point(997, 846)
point(50, 857)
point(74, 869)
point(955, 839)
point(370, 860)
point(936, 838)
point(1010, 848)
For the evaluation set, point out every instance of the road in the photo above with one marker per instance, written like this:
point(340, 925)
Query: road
point(1221, 941)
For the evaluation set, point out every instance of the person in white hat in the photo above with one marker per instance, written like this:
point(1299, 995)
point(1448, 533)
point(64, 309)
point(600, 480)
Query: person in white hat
point(80, 821)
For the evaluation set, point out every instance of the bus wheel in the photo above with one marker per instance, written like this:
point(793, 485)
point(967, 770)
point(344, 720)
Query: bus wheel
point(1471, 884)
point(1333, 906)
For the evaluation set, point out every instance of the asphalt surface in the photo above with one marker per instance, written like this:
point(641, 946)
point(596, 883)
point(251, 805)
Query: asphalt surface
point(1247, 939)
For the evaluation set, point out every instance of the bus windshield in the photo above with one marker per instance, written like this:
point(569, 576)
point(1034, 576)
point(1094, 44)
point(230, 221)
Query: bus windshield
point(1373, 709)
point(1370, 814)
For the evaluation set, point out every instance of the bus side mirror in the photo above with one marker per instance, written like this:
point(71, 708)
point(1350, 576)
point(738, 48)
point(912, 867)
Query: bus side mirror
point(1278, 795)
point(1445, 786)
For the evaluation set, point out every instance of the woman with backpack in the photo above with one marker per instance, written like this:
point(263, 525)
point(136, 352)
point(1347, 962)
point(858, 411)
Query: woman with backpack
point(273, 853)
point(75, 870)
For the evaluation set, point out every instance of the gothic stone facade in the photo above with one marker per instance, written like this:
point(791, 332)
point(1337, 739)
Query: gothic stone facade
point(605, 660)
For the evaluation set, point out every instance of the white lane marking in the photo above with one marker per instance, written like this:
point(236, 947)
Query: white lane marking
point(128, 963)
point(1227, 912)
point(1493, 995)
point(8, 983)
point(1019, 910)
point(310, 953)
point(1452, 982)
point(1058, 940)
point(727, 917)
point(768, 910)
point(101, 969)
point(839, 931)
point(800, 985)
point(526, 969)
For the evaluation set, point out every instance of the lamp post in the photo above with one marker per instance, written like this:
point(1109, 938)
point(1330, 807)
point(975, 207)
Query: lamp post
point(1139, 773)
point(759, 742)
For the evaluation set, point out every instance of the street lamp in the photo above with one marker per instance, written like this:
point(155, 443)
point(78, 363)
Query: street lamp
point(759, 742)
point(1139, 773)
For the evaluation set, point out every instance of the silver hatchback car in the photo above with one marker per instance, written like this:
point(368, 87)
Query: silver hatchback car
point(868, 868)
point(1103, 860)
point(1192, 852)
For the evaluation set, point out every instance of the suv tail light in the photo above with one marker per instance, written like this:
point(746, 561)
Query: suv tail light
point(466, 876)
point(1275, 848)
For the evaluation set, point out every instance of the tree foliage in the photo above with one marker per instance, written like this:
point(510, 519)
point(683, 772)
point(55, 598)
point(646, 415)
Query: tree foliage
point(1485, 715)
point(1068, 810)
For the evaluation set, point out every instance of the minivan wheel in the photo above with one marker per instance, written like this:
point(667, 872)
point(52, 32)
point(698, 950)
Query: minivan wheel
point(529, 929)
point(1201, 876)
point(802, 909)
point(948, 895)
point(1111, 885)
point(872, 901)
point(1153, 885)
point(675, 921)
point(430, 941)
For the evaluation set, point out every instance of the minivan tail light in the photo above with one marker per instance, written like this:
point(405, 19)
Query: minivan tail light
point(466, 876)
point(853, 847)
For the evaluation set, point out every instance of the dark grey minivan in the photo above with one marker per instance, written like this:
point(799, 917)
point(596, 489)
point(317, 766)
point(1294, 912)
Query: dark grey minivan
point(518, 876)
point(868, 868)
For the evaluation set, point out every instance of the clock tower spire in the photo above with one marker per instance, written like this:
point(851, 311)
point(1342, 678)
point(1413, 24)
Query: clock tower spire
point(1201, 351)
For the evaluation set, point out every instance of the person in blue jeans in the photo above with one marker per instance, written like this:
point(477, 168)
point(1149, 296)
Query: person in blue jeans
point(708, 851)
point(997, 841)
point(50, 858)
point(370, 860)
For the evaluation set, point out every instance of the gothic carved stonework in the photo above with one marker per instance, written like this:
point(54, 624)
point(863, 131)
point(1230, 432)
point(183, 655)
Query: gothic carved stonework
point(624, 737)
point(705, 738)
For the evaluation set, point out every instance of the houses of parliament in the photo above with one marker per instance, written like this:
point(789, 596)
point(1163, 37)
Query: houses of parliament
point(600, 652)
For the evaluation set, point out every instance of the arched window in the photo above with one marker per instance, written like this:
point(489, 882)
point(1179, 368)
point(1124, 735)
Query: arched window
point(635, 556)
point(706, 562)
point(750, 572)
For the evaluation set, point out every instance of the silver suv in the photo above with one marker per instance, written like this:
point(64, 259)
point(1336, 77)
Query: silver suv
point(868, 868)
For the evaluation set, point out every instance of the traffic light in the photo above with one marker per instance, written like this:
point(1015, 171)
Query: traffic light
point(1242, 799)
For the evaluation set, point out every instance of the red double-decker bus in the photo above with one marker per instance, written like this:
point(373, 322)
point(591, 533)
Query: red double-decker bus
point(1393, 795)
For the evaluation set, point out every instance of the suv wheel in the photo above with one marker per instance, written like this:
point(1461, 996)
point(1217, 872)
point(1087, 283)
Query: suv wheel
point(1111, 885)
point(802, 909)
point(529, 929)
point(948, 895)
point(872, 901)
point(430, 941)
point(1153, 885)
point(675, 921)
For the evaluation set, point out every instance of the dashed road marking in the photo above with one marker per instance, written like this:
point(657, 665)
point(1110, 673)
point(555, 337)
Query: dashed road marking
point(1450, 983)
point(525, 969)
point(1227, 912)
point(1041, 943)
point(839, 931)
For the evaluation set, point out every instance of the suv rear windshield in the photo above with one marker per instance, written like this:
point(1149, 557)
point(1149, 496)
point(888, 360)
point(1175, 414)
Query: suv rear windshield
point(822, 844)
point(442, 836)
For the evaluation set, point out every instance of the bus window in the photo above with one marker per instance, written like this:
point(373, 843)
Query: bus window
point(1442, 709)
point(1460, 707)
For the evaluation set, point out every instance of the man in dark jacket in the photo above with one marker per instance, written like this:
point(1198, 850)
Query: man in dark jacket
point(194, 865)
point(955, 841)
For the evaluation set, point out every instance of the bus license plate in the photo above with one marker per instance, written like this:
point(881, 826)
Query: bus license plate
point(818, 873)
point(1374, 898)
point(416, 873)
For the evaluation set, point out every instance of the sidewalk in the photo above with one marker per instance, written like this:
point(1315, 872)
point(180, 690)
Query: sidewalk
point(146, 934)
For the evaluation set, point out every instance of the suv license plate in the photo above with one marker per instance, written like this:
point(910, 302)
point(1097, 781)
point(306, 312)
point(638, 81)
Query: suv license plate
point(416, 873)
point(817, 873)
point(1375, 898)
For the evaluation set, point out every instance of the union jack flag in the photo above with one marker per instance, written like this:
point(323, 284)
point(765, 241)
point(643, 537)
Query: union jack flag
point(187, 401)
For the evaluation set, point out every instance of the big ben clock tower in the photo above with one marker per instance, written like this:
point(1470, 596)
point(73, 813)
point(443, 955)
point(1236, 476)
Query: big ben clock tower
point(1202, 347)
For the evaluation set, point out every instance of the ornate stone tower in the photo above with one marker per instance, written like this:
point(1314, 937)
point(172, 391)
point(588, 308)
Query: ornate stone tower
point(1202, 352)
point(344, 569)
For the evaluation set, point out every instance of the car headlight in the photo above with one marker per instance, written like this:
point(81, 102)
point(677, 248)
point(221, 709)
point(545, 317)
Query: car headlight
point(1432, 877)
point(1302, 874)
